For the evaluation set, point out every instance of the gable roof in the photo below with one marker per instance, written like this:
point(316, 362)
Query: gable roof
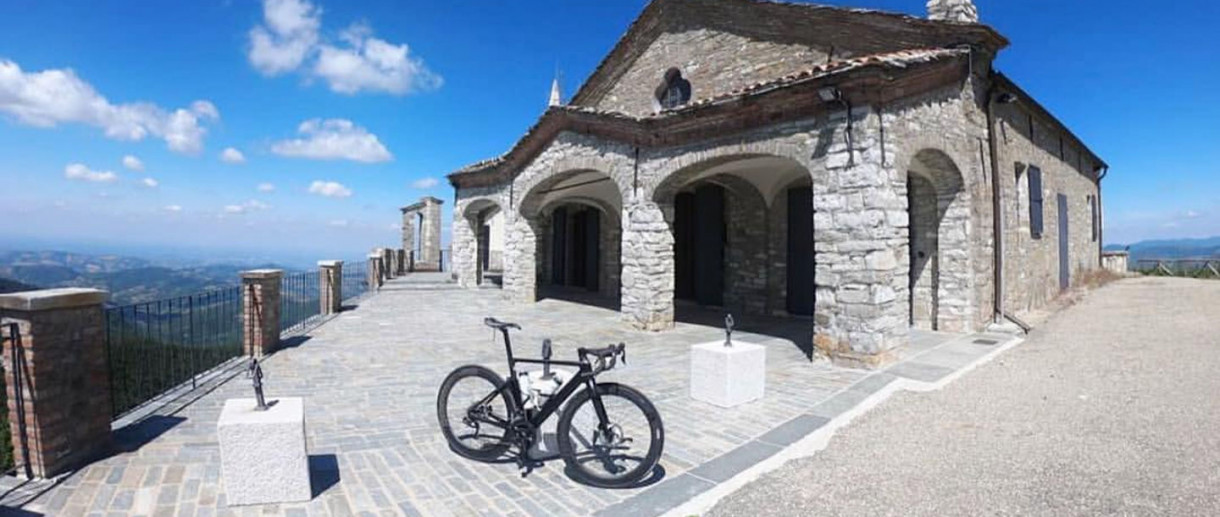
point(782, 18)
point(675, 123)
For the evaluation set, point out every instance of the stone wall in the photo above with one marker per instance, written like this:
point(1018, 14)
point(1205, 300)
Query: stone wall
point(703, 57)
point(1031, 271)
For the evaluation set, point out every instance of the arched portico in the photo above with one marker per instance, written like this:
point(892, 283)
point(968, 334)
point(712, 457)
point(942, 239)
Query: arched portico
point(575, 219)
point(485, 220)
point(733, 245)
point(939, 238)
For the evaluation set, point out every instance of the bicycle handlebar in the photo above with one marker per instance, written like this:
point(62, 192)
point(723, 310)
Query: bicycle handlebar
point(607, 357)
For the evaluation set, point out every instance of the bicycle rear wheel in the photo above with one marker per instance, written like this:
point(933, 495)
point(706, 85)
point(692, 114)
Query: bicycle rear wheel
point(619, 454)
point(469, 406)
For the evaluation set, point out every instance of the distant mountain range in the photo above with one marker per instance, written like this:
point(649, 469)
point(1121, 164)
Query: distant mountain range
point(1171, 249)
point(129, 280)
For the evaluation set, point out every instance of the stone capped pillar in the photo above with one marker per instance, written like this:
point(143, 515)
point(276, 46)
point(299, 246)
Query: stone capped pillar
point(261, 303)
point(400, 261)
point(330, 285)
point(648, 266)
point(375, 278)
point(64, 375)
point(387, 263)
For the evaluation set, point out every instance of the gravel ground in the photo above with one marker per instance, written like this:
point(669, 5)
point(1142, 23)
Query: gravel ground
point(1112, 407)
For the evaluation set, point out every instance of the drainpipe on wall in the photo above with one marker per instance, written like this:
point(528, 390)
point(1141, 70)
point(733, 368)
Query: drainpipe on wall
point(997, 212)
point(1105, 169)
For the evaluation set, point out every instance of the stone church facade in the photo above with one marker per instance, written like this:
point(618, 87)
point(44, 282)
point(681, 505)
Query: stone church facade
point(850, 167)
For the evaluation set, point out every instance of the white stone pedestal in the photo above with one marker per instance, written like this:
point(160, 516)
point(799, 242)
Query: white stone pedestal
point(727, 375)
point(262, 453)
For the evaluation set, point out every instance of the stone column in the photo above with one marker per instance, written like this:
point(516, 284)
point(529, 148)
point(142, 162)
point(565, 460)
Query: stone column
point(430, 234)
point(262, 305)
point(408, 228)
point(387, 263)
point(64, 375)
point(400, 261)
point(374, 271)
point(330, 285)
point(648, 266)
point(861, 248)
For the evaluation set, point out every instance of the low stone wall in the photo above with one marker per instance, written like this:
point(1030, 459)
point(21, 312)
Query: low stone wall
point(1115, 261)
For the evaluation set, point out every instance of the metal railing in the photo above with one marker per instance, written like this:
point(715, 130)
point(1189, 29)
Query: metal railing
point(154, 347)
point(1191, 268)
point(446, 260)
point(300, 301)
point(355, 280)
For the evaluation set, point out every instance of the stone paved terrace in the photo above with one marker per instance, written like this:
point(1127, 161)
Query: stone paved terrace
point(370, 376)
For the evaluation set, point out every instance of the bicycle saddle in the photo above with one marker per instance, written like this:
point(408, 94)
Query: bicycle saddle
point(499, 325)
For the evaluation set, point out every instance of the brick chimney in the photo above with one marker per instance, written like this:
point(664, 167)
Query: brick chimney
point(962, 11)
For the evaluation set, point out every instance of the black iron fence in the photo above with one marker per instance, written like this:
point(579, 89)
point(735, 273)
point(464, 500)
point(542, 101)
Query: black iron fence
point(300, 301)
point(154, 347)
point(355, 280)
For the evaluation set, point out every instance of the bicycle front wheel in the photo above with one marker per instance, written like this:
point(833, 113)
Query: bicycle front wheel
point(616, 453)
point(473, 413)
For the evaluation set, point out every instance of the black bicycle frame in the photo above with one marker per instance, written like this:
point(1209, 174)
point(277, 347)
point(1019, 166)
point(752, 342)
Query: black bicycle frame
point(511, 388)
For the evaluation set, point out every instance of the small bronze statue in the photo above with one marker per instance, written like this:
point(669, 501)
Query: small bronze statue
point(255, 372)
point(728, 330)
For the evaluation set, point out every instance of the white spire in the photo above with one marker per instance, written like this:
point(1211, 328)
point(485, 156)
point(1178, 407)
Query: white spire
point(555, 98)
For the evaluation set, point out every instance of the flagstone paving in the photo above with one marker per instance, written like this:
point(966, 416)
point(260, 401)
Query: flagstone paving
point(370, 376)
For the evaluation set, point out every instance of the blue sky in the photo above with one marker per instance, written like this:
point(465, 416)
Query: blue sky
point(422, 88)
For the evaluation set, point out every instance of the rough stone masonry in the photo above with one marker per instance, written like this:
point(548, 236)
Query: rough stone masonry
point(796, 161)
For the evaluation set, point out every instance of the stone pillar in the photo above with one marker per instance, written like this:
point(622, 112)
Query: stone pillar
point(408, 229)
point(262, 305)
point(466, 248)
point(375, 278)
point(400, 261)
point(430, 234)
point(330, 285)
point(648, 266)
point(64, 375)
point(861, 248)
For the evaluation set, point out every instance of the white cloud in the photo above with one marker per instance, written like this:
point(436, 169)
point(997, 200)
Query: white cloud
point(77, 171)
point(339, 223)
point(289, 35)
point(368, 63)
point(173, 208)
point(51, 97)
point(288, 40)
point(149, 182)
point(329, 189)
point(333, 139)
point(133, 163)
point(266, 187)
point(231, 155)
point(424, 183)
point(252, 205)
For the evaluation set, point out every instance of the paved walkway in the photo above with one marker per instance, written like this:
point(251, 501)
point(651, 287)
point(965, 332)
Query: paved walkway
point(370, 376)
point(1110, 408)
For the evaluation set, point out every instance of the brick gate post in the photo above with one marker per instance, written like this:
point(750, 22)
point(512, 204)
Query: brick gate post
point(64, 376)
point(330, 285)
point(261, 304)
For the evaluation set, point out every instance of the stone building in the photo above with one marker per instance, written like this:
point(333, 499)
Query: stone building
point(851, 167)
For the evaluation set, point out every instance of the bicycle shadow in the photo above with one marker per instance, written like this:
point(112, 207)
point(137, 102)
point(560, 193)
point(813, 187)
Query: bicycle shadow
point(536, 459)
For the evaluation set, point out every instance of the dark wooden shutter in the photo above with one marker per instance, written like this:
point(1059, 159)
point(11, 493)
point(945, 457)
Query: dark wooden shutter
point(1035, 202)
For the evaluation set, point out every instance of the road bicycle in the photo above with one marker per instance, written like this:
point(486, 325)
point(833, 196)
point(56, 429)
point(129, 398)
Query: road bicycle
point(609, 434)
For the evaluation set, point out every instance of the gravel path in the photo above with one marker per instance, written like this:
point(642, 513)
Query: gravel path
point(1112, 407)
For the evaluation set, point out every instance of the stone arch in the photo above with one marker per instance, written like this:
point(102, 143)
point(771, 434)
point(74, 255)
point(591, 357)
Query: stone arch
point(487, 222)
point(732, 194)
point(940, 280)
point(576, 219)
